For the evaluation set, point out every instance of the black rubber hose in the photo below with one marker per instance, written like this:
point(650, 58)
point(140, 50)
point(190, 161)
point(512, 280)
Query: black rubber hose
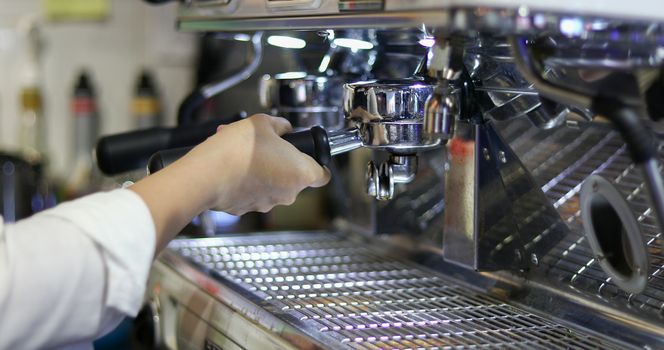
point(655, 98)
point(640, 140)
point(188, 108)
point(642, 144)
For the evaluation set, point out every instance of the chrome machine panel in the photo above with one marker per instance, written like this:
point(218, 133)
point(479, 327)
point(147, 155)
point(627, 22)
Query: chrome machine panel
point(243, 15)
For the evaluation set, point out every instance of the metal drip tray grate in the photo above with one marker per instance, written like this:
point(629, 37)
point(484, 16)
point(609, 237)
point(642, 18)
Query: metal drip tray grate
point(560, 160)
point(360, 298)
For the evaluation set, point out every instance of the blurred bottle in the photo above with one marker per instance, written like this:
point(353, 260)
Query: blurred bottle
point(25, 177)
point(32, 133)
point(20, 194)
point(28, 177)
point(145, 105)
point(85, 177)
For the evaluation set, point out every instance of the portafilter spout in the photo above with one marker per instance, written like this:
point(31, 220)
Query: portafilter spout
point(388, 115)
point(445, 64)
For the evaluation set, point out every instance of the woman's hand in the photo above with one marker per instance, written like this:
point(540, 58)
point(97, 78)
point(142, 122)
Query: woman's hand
point(246, 166)
point(249, 167)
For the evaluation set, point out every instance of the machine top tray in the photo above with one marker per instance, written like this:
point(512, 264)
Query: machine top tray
point(238, 15)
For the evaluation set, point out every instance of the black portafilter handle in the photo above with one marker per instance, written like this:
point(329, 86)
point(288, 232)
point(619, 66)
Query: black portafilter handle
point(131, 150)
point(313, 142)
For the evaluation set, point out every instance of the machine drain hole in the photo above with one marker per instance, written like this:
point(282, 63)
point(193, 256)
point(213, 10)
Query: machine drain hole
point(614, 234)
point(611, 235)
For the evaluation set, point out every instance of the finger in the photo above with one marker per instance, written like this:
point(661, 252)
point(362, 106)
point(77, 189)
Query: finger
point(280, 125)
point(323, 176)
point(264, 207)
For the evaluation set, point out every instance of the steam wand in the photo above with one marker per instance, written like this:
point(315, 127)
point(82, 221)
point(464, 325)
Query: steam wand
point(191, 103)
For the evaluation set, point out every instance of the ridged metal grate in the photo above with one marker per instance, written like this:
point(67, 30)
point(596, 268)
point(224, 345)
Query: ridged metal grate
point(560, 160)
point(365, 299)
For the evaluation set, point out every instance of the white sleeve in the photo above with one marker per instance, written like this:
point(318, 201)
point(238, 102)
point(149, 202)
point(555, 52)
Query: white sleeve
point(69, 273)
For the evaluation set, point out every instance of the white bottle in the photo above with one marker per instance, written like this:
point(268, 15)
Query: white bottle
point(84, 176)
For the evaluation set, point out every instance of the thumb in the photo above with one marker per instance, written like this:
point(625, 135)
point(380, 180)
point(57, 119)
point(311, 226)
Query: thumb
point(280, 125)
point(322, 177)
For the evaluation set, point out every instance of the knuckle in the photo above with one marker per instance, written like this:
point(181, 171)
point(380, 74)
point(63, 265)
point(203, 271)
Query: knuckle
point(311, 178)
point(289, 200)
point(264, 209)
point(264, 206)
point(235, 211)
point(262, 117)
point(306, 175)
point(255, 119)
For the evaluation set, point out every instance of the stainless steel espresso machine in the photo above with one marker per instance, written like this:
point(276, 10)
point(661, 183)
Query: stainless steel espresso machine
point(499, 186)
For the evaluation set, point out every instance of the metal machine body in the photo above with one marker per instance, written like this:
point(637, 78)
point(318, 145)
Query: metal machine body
point(496, 215)
point(494, 236)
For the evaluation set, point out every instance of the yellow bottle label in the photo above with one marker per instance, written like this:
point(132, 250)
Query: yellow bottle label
point(85, 10)
point(30, 99)
point(145, 106)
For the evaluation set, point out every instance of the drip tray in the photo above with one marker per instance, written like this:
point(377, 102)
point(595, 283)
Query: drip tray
point(347, 293)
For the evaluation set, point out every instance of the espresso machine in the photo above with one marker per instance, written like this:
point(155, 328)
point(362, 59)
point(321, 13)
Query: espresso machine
point(500, 187)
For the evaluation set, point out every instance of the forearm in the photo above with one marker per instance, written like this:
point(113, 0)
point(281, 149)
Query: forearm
point(174, 196)
point(246, 166)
